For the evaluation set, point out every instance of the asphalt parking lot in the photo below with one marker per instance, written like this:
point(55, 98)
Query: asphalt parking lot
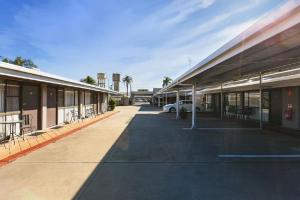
point(141, 153)
point(156, 158)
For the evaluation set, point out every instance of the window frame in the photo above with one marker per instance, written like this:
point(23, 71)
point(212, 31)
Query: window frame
point(12, 96)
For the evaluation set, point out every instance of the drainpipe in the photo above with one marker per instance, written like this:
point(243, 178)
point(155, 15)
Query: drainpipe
point(177, 104)
point(193, 106)
point(260, 100)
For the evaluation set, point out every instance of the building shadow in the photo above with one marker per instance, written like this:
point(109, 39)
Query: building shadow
point(154, 158)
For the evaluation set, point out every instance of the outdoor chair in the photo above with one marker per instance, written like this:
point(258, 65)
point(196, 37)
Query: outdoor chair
point(247, 112)
point(87, 113)
point(90, 113)
point(26, 126)
point(240, 113)
point(232, 111)
point(75, 116)
point(3, 137)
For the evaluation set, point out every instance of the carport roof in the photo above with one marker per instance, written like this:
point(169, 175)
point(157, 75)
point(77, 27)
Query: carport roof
point(271, 44)
point(14, 71)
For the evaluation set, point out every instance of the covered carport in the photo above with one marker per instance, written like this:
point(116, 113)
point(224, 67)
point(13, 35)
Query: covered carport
point(271, 45)
point(142, 95)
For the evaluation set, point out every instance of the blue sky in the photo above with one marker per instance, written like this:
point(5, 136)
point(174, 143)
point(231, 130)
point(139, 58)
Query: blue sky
point(146, 39)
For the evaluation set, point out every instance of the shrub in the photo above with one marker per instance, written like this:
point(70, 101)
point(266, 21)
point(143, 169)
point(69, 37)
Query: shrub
point(183, 113)
point(112, 103)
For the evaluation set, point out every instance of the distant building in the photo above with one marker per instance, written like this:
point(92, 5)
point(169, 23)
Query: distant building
point(101, 77)
point(116, 81)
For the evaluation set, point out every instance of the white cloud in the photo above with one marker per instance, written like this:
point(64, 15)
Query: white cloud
point(213, 24)
point(176, 12)
point(172, 62)
point(180, 10)
point(144, 49)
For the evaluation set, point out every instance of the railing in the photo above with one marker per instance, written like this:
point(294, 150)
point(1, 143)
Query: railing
point(65, 114)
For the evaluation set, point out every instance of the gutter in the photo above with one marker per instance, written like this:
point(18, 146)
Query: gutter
point(14, 71)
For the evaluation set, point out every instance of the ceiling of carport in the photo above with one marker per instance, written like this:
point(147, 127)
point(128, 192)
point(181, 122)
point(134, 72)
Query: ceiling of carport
point(280, 51)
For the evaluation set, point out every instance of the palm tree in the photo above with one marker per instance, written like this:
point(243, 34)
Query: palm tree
point(166, 81)
point(127, 80)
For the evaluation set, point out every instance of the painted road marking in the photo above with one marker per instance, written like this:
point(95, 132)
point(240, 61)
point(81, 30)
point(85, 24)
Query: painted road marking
point(234, 129)
point(259, 156)
point(224, 129)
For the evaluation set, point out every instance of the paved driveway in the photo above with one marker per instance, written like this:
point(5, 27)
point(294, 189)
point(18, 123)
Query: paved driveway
point(151, 156)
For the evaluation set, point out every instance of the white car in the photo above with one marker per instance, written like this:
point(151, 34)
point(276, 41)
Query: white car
point(186, 104)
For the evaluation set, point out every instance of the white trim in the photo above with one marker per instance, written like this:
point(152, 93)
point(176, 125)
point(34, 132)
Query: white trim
point(14, 71)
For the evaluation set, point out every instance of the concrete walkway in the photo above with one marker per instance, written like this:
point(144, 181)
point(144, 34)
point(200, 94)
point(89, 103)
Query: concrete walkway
point(59, 170)
point(141, 153)
point(11, 150)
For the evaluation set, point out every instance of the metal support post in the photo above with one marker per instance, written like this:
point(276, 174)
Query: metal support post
point(193, 106)
point(177, 104)
point(221, 102)
point(260, 101)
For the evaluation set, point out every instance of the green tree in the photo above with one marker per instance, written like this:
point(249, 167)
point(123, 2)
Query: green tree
point(166, 81)
point(6, 60)
point(89, 80)
point(127, 80)
point(19, 61)
point(29, 63)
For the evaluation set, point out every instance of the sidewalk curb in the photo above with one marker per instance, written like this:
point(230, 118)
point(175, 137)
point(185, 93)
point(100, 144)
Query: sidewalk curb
point(24, 152)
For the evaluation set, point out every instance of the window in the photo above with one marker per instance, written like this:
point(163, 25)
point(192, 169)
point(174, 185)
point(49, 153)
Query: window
point(92, 98)
point(254, 99)
point(87, 97)
point(104, 98)
point(208, 102)
point(76, 98)
point(246, 99)
point(12, 97)
point(69, 97)
point(266, 100)
point(232, 99)
point(60, 96)
point(95, 98)
point(239, 100)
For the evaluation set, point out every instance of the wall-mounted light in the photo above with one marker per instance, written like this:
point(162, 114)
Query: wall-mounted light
point(290, 92)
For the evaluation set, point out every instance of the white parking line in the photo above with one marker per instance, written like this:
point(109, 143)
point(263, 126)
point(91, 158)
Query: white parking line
point(259, 156)
point(231, 129)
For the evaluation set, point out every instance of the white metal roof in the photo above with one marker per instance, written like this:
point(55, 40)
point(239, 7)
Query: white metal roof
point(276, 22)
point(14, 71)
point(288, 78)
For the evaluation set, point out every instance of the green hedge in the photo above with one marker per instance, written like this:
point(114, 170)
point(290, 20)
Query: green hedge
point(112, 103)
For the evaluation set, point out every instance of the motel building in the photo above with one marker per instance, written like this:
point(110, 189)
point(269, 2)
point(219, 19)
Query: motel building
point(255, 77)
point(42, 100)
